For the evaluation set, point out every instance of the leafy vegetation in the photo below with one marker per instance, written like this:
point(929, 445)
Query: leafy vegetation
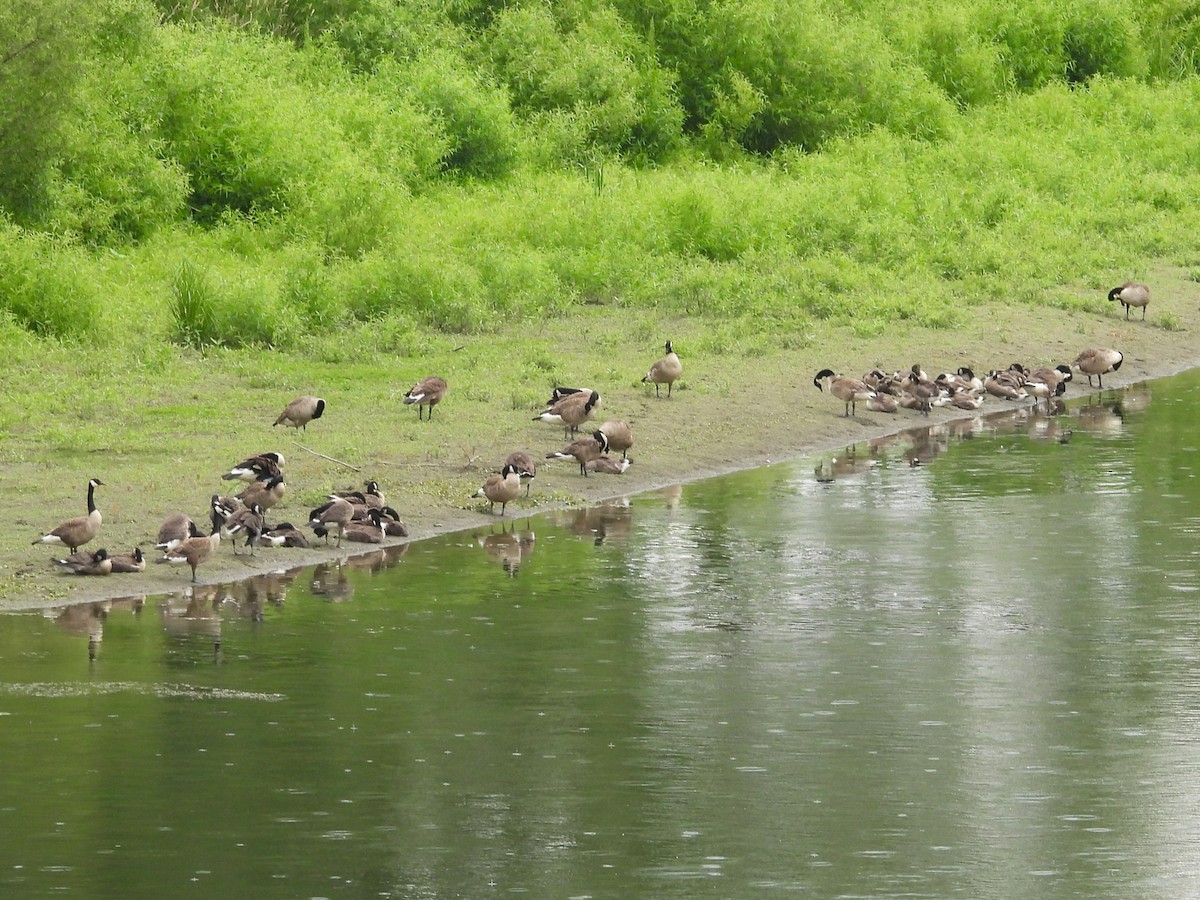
point(261, 173)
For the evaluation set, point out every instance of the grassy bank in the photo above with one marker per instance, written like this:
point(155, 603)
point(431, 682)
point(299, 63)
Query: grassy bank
point(160, 429)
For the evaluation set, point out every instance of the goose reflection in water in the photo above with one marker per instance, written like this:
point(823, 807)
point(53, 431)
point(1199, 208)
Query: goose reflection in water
point(508, 548)
point(88, 619)
point(194, 612)
point(611, 520)
point(329, 580)
point(377, 560)
point(1100, 420)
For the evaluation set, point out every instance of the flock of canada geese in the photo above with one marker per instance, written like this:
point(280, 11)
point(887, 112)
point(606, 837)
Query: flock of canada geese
point(361, 516)
point(880, 391)
point(365, 517)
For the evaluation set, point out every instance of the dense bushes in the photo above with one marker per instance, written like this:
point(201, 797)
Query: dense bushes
point(256, 173)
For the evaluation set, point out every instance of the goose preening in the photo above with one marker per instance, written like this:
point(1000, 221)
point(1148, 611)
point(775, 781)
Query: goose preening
point(363, 501)
point(285, 534)
point(1131, 294)
point(1046, 383)
point(1098, 361)
point(300, 412)
point(620, 436)
point(175, 529)
point(221, 508)
point(128, 562)
point(193, 552)
point(389, 519)
point(571, 411)
point(85, 563)
point(428, 392)
point(525, 466)
point(664, 371)
point(249, 521)
point(254, 468)
point(850, 391)
point(502, 488)
point(336, 514)
point(583, 450)
point(264, 493)
point(368, 531)
point(76, 532)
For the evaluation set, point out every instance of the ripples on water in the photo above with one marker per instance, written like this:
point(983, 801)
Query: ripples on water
point(960, 661)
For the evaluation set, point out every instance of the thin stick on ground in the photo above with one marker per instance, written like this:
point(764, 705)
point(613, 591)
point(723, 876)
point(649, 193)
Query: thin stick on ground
point(330, 458)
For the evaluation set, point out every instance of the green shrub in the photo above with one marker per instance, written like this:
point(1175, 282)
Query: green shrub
point(207, 312)
point(820, 76)
point(593, 72)
point(44, 286)
point(473, 115)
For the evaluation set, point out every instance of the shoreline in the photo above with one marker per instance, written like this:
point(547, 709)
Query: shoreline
point(267, 561)
point(735, 412)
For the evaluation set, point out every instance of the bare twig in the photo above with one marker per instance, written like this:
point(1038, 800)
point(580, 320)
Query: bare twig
point(330, 458)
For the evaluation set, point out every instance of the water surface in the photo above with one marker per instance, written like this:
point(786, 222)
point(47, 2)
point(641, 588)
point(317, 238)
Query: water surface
point(959, 662)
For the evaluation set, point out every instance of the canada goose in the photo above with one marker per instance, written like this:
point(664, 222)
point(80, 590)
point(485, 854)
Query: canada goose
point(252, 468)
point(1008, 385)
point(337, 513)
point(571, 411)
point(1098, 361)
point(620, 436)
point(426, 392)
point(1045, 382)
point(882, 403)
point(176, 528)
point(559, 392)
point(285, 534)
point(247, 520)
point(128, 562)
point(85, 563)
point(365, 532)
point(221, 508)
point(608, 466)
point(849, 390)
point(193, 552)
point(525, 466)
point(501, 488)
point(390, 520)
point(966, 399)
point(1131, 293)
point(264, 493)
point(583, 450)
point(665, 371)
point(877, 380)
point(301, 411)
point(77, 531)
point(364, 501)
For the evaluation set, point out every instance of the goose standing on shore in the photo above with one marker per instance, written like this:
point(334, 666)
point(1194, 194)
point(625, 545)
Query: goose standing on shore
point(1098, 361)
point(193, 552)
point(428, 392)
point(1131, 294)
point(76, 532)
point(850, 391)
point(665, 371)
point(525, 466)
point(571, 411)
point(620, 436)
point(502, 488)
